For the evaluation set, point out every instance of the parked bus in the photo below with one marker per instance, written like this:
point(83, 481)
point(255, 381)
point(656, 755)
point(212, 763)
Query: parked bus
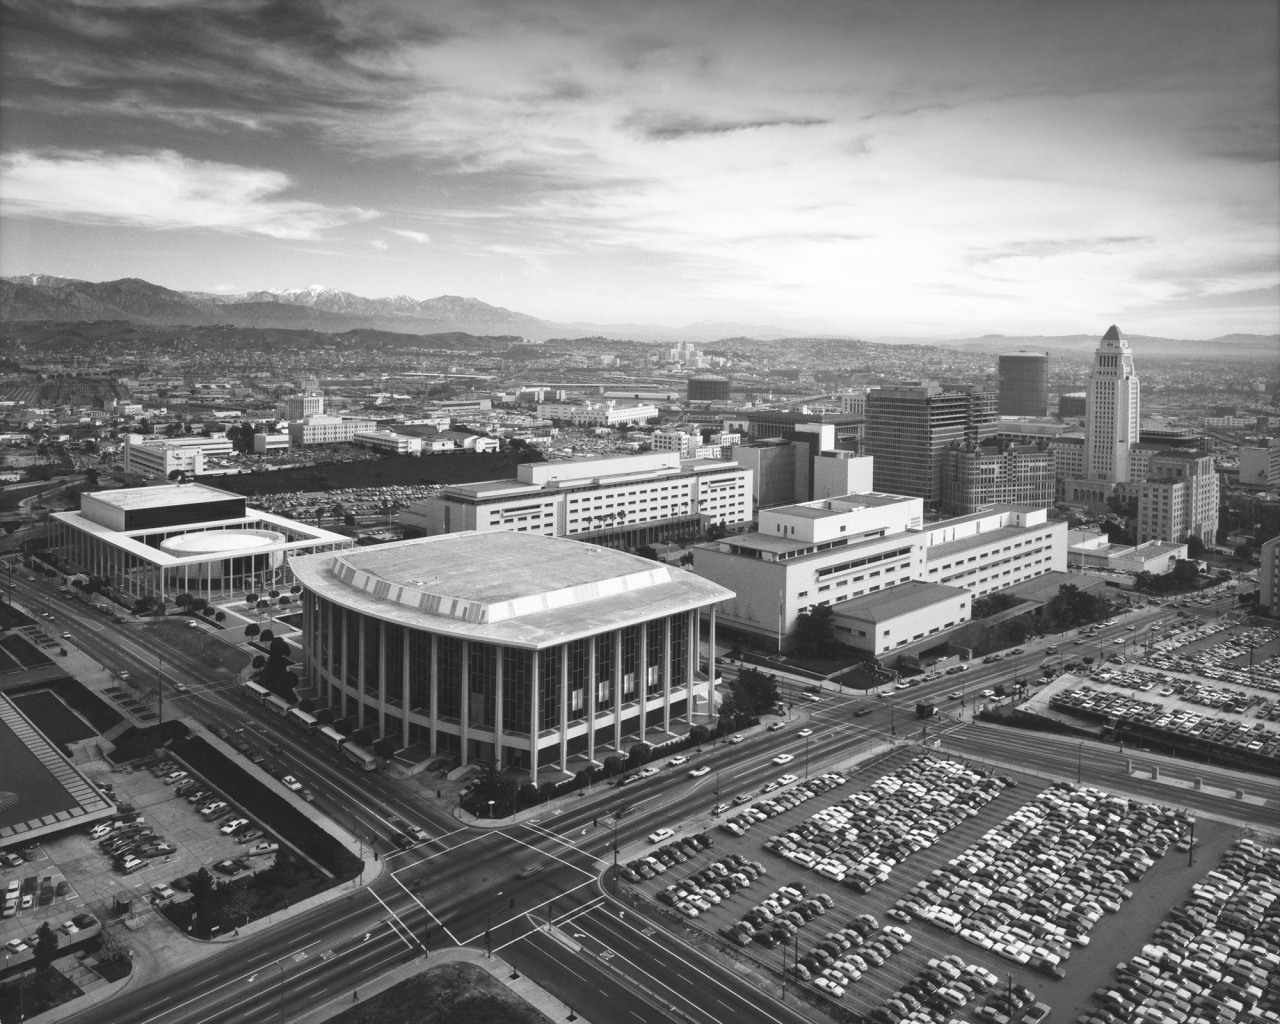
point(331, 736)
point(308, 723)
point(359, 756)
point(277, 706)
point(255, 692)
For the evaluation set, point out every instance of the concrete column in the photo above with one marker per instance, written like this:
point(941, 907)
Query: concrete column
point(465, 716)
point(617, 691)
point(666, 673)
point(643, 684)
point(564, 706)
point(382, 679)
point(404, 687)
point(591, 698)
point(711, 667)
point(433, 689)
point(497, 706)
point(360, 673)
point(535, 697)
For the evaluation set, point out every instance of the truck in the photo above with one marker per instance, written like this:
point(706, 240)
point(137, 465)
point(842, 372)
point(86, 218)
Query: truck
point(926, 709)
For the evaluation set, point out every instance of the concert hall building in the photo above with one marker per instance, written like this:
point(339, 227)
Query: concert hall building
point(534, 652)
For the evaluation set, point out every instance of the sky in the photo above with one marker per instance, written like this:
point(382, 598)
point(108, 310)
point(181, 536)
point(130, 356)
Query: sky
point(865, 167)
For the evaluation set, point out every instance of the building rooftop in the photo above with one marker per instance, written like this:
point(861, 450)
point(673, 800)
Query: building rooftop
point(516, 589)
point(163, 496)
point(889, 604)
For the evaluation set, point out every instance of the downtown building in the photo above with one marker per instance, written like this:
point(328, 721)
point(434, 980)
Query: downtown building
point(978, 477)
point(617, 501)
point(1179, 498)
point(1024, 384)
point(851, 552)
point(596, 414)
point(909, 427)
point(530, 652)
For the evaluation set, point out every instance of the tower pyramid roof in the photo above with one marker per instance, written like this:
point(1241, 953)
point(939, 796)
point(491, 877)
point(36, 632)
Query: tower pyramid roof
point(1113, 333)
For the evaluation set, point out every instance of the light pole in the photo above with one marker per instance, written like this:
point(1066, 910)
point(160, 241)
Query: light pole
point(160, 688)
point(806, 757)
point(280, 964)
point(490, 808)
point(1079, 762)
point(488, 925)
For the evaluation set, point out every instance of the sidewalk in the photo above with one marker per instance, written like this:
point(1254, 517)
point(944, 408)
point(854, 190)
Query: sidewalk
point(530, 991)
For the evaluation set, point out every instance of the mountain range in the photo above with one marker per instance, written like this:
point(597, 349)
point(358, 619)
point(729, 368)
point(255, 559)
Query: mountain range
point(42, 297)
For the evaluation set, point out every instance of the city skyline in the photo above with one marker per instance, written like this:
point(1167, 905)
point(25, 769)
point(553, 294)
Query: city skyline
point(870, 169)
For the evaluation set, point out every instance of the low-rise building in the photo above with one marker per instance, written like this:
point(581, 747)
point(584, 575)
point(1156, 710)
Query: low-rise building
point(160, 456)
point(264, 443)
point(596, 414)
point(327, 430)
point(389, 441)
point(1260, 467)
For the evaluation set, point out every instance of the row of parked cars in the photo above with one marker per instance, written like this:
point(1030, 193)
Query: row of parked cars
point(945, 986)
point(1093, 702)
point(772, 806)
point(711, 885)
point(859, 840)
point(1214, 958)
point(665, 857)
point(213, 807)
point(128, 841)
point(779, 916)
point(845, 955)
point(1033, 887)
point(71, 927)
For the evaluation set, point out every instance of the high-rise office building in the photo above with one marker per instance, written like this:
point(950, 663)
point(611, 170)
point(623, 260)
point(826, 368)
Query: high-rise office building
point(1111, 416)
point(978, 477)
point(1179, 498)
point(1024, 384)
point(910, 425)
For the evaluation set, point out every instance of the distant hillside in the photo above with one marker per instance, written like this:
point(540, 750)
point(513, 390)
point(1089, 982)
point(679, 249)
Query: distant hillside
point(41, 297)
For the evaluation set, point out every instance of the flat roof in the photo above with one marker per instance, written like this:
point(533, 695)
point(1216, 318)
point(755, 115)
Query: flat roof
point(907, 597)
point(163, 495)
point(516, 589)
point(978, 540)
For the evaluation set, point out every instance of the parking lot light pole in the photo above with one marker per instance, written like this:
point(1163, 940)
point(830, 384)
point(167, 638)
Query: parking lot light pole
point(806, 757)
point(1079, 762)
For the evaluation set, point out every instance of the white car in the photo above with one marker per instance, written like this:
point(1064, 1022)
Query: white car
point(784, 758)
point(736, 738)
point(787, 780)
point(662, 835)
point(697, 773)
point(234, 825)
point(647, 773)
point(805, 732)
point(679, 759)
point(292, 783)
point(260, 849)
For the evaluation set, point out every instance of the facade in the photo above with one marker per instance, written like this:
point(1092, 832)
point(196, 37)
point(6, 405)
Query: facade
point(1024, 384)
point(1111, 419)
point(160, 456)
point(837, 473)
point(327, 430)
point(1269, 578)
point(1068, 457)
point(1073, 405)
point(1092, 549)
point(912, 613)
point(779, 471)
point(910, 425)
point(596, 414)
point(841, 549)
point(610, 500)
point(1179, 498)
point(299, 407)
point(263, 443)
point(453, 643)
point(977, 477)
point(708, 387)
point(1260, 467)
point(389, 441)
point(152, 541)
point(675, 441)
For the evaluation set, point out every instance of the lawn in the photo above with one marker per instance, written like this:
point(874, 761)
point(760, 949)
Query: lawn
point(34, 993)
point(53, 718)
point(449, 994)
point(23, 653)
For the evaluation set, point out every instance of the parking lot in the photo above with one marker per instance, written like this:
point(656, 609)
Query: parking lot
point(163, 837)
point(871, 879)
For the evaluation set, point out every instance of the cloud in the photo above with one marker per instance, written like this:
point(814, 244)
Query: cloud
point(421, 237)
point(1041, 248)
point(162, 190)
point(666, 125)
point(378, 244)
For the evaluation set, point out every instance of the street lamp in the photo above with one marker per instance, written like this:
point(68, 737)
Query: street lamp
point(806, 757)
point(490, 808)
point(1079, 762)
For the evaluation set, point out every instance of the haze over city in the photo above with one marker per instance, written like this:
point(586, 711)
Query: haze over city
point(874, 169)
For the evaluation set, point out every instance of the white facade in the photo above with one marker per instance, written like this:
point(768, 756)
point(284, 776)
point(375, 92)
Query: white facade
point(160, 456)
point(675, 441)
point(1269, 577)
point(299, 407)
point(263, 443)
point(1260, 467)
point(839, 472)
point(596, 414)
point(836, 550)
point(1111, 419)
point(387, 441)
point(327, 430)
point(907, 614)
point(1179, 498)
point(590, 496)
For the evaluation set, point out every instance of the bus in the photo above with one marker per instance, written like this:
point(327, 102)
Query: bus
point(359, 756)
point(255, 692)
point(277, 706)
point(307, 723)
point(331, 736)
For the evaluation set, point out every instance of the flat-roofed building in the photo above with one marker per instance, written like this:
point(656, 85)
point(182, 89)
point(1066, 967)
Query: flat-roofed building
point(836, 550)
point(596, 414)
point(263, 443)
point(618, 501)
point(909, 614)
point(328, 429)
point(160, 456)
point(1269, 577)
point(188, 538)
point(976, 477)
point(389, 441)
point(1179, 498)
point(1260, 467)
point(530, 652)
point(1024, 384)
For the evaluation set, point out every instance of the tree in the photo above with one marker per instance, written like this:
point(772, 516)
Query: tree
point(178, 476)
point(266, 636)
point(183, 600)
point(251, 630)
point(646, 551)
point(258, 661)
point(219, 617)
point(716, 531)
point(285, 601)
point(1244, 551)
point(613, 764)
point(700, 734)
point(759, 692)
point(251, 600)
point(640, 754)
point(1195, 546)
point(199, 604)
point(815, 632)
point(279, 649)
point(46, 951)
point(202, 893)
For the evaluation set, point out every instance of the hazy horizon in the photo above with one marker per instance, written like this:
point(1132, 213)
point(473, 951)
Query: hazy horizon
point(871, 169)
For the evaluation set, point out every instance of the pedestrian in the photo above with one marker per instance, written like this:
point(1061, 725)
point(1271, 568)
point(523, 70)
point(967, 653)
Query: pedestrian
point(355, 996)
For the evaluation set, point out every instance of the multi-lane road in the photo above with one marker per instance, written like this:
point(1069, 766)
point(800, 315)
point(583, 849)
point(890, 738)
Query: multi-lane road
point(531, 890)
